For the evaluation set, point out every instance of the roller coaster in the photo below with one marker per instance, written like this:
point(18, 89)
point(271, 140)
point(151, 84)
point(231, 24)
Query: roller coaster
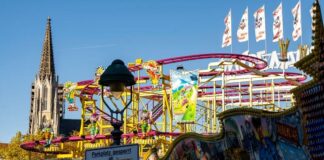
point(230, 81)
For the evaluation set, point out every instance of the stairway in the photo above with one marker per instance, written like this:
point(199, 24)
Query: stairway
point(157, 111)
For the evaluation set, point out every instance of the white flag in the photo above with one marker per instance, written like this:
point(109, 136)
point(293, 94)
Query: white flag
point(227, 36)
point(243, 30)
point(259, 23)
point(296, 12)
point(277, 24)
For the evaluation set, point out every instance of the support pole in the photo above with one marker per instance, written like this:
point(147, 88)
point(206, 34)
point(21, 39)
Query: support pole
point(273, 94)
point(133, 116)
point(223, 92)
point(214, 108)
point(171, 119)
point(164, 117)
point(250, 92)
point(82, 118)
point(240, 94)
point(101, 120)
point(278, 98)
point(125, 120)
point(208, 116)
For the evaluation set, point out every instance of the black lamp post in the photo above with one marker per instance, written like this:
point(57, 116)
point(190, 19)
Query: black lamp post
point(117, 77)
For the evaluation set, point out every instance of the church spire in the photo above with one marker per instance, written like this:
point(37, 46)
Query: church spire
point(47, 68)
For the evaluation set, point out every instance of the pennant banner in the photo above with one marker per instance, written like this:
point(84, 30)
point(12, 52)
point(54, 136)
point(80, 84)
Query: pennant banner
point(259, 23)
point(243, 30)
point(184, 95)
point(277, 24)
point(227, 36)
point(296, 12)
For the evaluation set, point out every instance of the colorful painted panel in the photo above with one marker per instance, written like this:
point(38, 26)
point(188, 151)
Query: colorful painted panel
point(69, 94)
point(247, 137)
point(184, 95)
point(153, 71)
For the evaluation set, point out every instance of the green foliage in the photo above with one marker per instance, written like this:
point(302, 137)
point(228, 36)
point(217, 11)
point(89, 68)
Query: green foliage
point(14, 152)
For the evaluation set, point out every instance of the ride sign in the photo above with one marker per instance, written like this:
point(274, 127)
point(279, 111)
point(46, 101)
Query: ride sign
point(123, 152)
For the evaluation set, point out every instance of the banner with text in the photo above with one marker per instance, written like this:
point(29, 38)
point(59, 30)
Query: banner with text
point(129, 152)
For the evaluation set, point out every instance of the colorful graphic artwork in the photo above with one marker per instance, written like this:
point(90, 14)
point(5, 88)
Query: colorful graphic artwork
point(98, 73)
point(248, 137)
point(48, 134)
point(93, 126)
point(69, 94)
point(146, 121)
point(184, 95)
point(153, 71)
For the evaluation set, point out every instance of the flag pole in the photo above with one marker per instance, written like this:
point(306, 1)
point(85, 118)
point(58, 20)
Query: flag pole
point(301, 27)
point(284, 62)
point(301, 31)
point(248, 45)
point(265, 31)
point(231, 48)
point(301, 36)
point(265, 44)
point(248, 41)
point(231, 31)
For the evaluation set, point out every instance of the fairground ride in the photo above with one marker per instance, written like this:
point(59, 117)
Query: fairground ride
point(151, 120)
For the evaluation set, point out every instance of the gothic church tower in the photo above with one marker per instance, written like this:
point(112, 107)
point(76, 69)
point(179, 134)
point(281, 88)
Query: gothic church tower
point(47, 93)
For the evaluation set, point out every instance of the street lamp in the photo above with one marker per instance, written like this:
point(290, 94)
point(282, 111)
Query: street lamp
point(117, 77)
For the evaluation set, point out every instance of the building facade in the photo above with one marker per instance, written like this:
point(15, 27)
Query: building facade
point(309, 96)
point(46, 94)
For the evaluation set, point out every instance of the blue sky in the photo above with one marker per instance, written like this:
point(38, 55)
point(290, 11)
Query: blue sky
point(87, 34)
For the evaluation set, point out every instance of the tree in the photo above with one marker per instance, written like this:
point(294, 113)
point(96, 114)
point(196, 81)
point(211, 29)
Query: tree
point(14, 152)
